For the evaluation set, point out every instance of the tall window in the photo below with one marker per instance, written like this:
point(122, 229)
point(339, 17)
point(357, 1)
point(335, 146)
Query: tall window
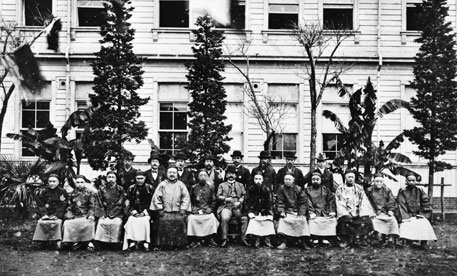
point(235, 115)
point(172, 126)
point(282, 143)
point(35, 115)
point(37, 12)
point(338, 16)
point(282, 14)
point(412, 17)
point(331, 144)
point(90, 13)
point(174, 13)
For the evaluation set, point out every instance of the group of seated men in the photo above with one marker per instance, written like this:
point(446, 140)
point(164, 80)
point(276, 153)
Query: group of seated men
point(188, 209)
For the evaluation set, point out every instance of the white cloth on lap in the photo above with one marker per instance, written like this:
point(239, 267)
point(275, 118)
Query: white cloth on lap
point(385, 224)
point(109, 230)
point(417, 229)
point(260, 226)
point(202, 225)
point(293, 226)
point(48, 230)
point(137, 229)
point(322, 226)
point(78, 230)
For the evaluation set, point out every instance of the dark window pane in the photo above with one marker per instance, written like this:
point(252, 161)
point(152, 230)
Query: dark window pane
point(174, 14)
point(330, 142)
point(43, 105)
point(166, 120)
point(29, 105)
point(413, 19)
point(180, 138)
point(28, 119)
point(37, 12)
point(282, 21)
point(42, 119)
point(276, 154)
point(338, 19)
point(180, 120)
point(26, 152)
point(166, 107)
point(290, 142)
point(90, 17)
point(237, 17)
point(165, 140)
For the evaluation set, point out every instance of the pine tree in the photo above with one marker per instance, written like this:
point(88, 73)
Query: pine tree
point(208, 133)
point(118, 74)
point(435, 104)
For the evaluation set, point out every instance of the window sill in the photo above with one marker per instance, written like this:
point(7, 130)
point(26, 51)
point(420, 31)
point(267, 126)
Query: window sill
point(405, 34)
point(290, 32)
point(157, 31)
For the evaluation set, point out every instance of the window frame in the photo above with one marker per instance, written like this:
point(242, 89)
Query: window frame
point(323, 4)
point(404, 6)
point(76, 22)
point(21, 114)
point(327, 152)
point(282, 151)
point(22, 10)
point(172, 130)
point(279, 2)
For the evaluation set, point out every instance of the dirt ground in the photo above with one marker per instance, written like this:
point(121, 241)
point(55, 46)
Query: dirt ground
point(19, 256)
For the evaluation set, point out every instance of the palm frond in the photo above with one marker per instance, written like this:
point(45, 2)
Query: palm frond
point(335, 119)
point(392, 106)
point(399, 158)
point(395, 143)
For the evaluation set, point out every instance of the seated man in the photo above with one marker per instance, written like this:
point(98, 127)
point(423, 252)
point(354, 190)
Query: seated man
point(292, 207)
point(171, 202)
point(109, 209)
point(415, 210)
point(79, 225)
point(138, 226)
point(258, 207)
point(202, 222)
point(322, 211)
point(354, 212)
point(384, 205)
point(230, 194)
point(52, 203)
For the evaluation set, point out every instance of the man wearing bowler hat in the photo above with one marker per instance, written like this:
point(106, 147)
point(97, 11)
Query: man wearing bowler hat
point(296, 172)
point(242, 174)
point(268, 173)
point(214, 177)
point(185, 174)
point(156, 173)
point(327, 175)
point(127, 173)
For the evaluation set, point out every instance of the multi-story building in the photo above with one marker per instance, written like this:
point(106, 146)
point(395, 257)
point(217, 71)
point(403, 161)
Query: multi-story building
point(381, 46)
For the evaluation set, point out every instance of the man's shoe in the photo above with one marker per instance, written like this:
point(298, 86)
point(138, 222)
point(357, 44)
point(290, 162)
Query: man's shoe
point(362, 244)
point(90, 247)
point(268, 244)
point(282, 246)
point(224, 243)
point(344, 245)
point(325, 242)
point(194, 244)
point(305, 246)
point(257, 243)
point(212, 243)
point(59, 246)
point(245, 243)
point(76, 246)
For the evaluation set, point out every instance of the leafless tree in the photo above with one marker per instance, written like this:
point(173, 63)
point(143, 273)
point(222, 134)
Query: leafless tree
point(321, 68)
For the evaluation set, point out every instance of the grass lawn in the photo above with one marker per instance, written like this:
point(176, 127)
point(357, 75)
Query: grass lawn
point(19, 256)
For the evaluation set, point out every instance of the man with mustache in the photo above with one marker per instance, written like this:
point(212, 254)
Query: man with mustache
point(156, 173)
point(214, 177)
point(185, 174)
point(267, 171)
point(242, 174)
point(289, 167)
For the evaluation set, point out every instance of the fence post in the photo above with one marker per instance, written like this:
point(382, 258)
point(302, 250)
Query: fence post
point(442, 199)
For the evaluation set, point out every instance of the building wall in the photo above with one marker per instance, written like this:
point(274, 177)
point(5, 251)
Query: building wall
point(276, 58)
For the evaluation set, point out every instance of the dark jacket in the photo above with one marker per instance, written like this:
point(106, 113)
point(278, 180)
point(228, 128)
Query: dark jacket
point(139, 197)
point(127, 177)
point(413, 201)
point(291, 199)
point(298, 175)
point(258, 200)
point(81, 203)
point(270, 179)
point(242, 175)
point(52, 202)
point(110, 202)
point(381, 199)
point(187, 177)
point(203, 198)
point(161, 176)
point(321, 201)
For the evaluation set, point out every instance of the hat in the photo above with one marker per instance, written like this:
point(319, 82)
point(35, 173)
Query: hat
point(289, 154)
point(128, 155)
point(230, 168)
point(154, 155)
point(180, 155)
point(237, 153)
point(53, 175)
point(378, 174)
point(111, 172)
point(317, 172)
point(209, 157)
point(138, 173)
point(351, 171)
point(264, 154)
point(321, 157)
point(289, 173)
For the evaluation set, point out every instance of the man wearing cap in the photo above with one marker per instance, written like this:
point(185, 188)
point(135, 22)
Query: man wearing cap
point(230, 195)
point(292, 208)
point(138, 226)
point(127, 173)
point(414, 212)
point(269, 175)
point(109, 209)
point(327, 175)
point(214, 177)
point(322, 211)
point(171, 202)
point(242, 174)
point(202, 224)
point(185, 174)
point(384, 205)
point(258, 207)
point(156, 173)
point(298, 175)
point(354, 211)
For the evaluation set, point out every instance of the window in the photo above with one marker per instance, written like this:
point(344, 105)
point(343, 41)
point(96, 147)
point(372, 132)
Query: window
point(37, 12)
point(412, 17)
point(235, 115)
point(331, 144)
point(90, 13)
point(35, 115)
point(338, 17)
point(174, 13)
point(281, 143)
point(172, 126)
point(282, 14)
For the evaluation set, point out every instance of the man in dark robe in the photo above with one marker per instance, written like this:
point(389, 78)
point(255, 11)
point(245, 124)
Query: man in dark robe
point(269, 175)
point(215, 177)
point(290, 167)
point(127, 173)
